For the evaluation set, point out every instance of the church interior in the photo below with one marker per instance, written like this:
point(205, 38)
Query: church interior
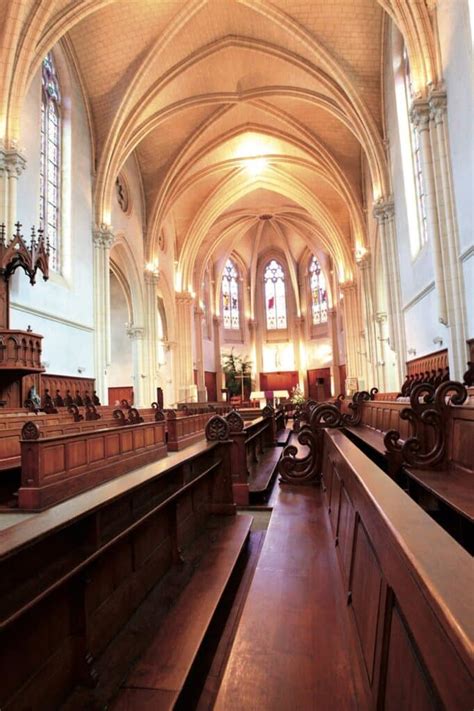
point(236, 355)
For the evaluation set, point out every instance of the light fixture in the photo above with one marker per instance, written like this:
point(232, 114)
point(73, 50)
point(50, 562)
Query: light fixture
point(153, 267)
point(437, 340)
point(411, 351)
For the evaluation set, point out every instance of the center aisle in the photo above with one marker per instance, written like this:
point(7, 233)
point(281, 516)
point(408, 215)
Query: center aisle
point(291, 650)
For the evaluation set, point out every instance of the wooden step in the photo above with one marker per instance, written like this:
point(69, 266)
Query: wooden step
point(262, 472)
point(160, 674)
point(283, 437)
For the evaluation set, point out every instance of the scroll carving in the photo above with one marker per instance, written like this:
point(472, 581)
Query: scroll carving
point(159, 414)
point(428, 409)
point(268, 411)
point(74, 411)
point(120, 416)
point(236, 422)
point(91, 412)
point(30, 431)
point(134, 417)
point(217, 429)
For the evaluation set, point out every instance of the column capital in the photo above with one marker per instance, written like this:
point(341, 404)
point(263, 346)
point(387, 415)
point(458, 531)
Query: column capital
point(151, 277)
point(384, 209)
point(199, 311)
point(420, 114)
point(12, 161)
point(135, 333)
point(363, 261)
point(184, 297)
point(438, 102)
point(381, 317)
point(347, 287)
point(103, 236)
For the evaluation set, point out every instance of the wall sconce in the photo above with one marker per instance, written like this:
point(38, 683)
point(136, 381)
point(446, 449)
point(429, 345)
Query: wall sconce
point(45, 363)
point(438, 340)
point(411, 351)
point(80, 369)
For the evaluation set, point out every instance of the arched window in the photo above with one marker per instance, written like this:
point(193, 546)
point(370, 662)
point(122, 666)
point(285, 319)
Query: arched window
point(416, 153)
point(319, 294)
point(50, 160)
point(230, 296)
point(275, 298)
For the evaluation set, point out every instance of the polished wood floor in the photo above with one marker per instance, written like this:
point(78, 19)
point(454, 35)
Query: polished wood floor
point(292, 649)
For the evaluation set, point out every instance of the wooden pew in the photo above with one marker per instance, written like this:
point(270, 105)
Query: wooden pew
point(254, 454)
point(71, 577)
point(59, 467)
point(359, 600)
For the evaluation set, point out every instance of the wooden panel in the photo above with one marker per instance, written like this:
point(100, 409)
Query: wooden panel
point(54, 460)
point(430, 362)
point(122, 392)
point(281, 380)
point(210, 382)
point(346, 531)
point(318, 390)
point(54, 382)
point(406, 685)
point(366, 589)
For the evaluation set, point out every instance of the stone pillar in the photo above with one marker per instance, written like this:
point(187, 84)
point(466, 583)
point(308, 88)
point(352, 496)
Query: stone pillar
point(364, 264)
point(201, 383)
point(151, 357)
point(12, 164)
point(384, 213)
point(103, 239)
point(420, 117)
point(216, 324)
point(257, 353)
point(381, 320)
point(449, 237)
point(348, 290)
point(137, 335)
point(299, 351)
point(335, 372)
point(184, 350)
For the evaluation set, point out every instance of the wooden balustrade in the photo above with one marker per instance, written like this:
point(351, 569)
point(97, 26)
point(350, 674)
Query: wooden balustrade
point(71, 577)
point(409, 595)
point(57, 468)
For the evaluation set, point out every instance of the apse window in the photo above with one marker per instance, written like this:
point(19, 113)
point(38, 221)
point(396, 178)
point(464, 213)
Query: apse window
point(275, 296)
point(230, 297)
point(50, 160)
point(319, 295)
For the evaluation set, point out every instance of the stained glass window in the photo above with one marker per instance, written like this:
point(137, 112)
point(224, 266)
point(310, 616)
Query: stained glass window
point(416, 153)
point(319, 294)
point(275, 298)
point(230, 296)
point(50, 159)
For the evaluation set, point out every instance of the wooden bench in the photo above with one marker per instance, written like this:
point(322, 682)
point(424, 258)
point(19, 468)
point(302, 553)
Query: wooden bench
point(383, 619)
point(72, 576)
point(185, 429)
point(59, 467)
point(254, 453)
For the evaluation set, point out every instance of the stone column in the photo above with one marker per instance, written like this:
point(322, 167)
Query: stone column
point(137, 335)
point(384, 213)
point(420, 117)
point(151, 338)
point(103, 239)
point(335, 372)
point(381, 339)
point(364, 264)
point(184, 349)
point(449, 237)
point(12, 164)
point(257, 353)
point(348, 290)
point(216, 324)
point(299, 351)
point(201, 383)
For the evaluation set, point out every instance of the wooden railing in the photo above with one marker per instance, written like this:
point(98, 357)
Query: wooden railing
point(57, 468)
point(185, 430)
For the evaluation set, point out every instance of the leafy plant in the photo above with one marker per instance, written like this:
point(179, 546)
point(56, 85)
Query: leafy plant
point(297, 396)
point(237, 368)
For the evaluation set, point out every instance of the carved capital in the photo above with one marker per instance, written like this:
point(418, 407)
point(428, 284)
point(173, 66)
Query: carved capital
point(103, 236)
point(438, 102)
point(381, 317)
point(184, 298)
point(347, 287)
point(420, 114)
point(12, 162)
point(151, 277)
point(135, 333)
point(199, 312)
point(363, 261)
point(384, 209)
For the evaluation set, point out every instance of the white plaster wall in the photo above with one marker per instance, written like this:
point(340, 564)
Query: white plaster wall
point(468, 275)
point(61, 309)
point(121, 369)
point(422, 326)
point(455, 42)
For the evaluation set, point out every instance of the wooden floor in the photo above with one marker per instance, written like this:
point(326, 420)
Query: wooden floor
point(291, 650)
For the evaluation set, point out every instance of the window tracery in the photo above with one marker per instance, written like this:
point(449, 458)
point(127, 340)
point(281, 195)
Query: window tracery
point(50, 160)
point(319, 295)
point(230, 297)
point(275, 296)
